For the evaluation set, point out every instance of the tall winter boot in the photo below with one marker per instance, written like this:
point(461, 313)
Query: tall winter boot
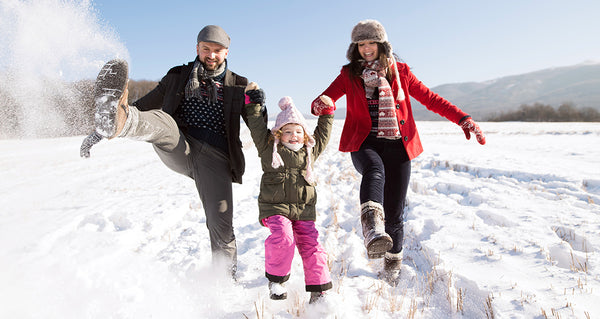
point(377, 241)
point(110, 97)
point(392, 263)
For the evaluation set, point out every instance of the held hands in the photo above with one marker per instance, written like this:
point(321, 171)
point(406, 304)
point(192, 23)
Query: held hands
point(254, 94)
point(323, 105)
point(468, 125)
point(88, 142)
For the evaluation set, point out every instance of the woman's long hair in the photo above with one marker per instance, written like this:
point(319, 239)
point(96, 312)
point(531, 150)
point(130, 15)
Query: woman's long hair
point(356, 61)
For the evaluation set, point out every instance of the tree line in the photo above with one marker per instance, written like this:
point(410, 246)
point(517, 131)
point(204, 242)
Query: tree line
point(538, 112)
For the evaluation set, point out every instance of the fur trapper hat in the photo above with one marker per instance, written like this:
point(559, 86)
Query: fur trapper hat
point(290, 115)
point(367, 30)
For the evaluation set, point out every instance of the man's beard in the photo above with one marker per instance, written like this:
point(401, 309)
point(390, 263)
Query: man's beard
point(211, 67)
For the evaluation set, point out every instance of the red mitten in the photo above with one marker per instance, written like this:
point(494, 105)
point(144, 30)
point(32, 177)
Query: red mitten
point(323, 105)
point(468, 125)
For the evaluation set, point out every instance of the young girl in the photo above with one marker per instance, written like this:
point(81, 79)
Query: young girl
point(287, 192)
point(381, 134)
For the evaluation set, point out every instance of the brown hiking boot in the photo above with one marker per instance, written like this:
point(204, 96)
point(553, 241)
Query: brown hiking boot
point(392, 264)
point(110, 97)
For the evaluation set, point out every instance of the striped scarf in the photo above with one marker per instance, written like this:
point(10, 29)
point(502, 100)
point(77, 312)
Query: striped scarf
point(374, 77)
point(192, 88)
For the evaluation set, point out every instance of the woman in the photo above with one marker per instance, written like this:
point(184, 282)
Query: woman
point(381, 134)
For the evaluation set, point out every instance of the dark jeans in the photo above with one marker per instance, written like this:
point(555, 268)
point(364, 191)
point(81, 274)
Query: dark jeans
point(385, 170)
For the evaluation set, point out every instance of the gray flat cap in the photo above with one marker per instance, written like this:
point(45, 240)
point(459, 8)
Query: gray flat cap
point(215, 34)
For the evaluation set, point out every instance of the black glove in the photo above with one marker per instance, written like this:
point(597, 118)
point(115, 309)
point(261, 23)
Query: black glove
point(256, 96)
point(88, 142)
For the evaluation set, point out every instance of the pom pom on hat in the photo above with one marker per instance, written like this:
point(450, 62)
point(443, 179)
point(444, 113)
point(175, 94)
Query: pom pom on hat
point(286, 102)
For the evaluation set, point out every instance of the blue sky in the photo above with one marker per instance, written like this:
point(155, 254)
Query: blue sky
point(297, 48)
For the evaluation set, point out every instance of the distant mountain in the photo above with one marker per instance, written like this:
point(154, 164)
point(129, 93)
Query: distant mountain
point(578, 84)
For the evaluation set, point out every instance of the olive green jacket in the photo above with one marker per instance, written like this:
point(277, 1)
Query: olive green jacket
point(284, 190)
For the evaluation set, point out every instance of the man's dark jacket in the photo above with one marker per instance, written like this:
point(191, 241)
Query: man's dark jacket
point(170, 91)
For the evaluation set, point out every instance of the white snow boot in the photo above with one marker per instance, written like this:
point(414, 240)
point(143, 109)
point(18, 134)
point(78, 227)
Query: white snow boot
point(110, 98)
point(277, 291)
point(377, 241)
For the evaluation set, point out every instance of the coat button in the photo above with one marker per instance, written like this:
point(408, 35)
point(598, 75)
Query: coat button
point(397, 106)
point(406, 138)
point(402, 122)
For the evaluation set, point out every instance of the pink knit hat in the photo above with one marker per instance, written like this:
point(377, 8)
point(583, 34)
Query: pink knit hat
point(289, 114)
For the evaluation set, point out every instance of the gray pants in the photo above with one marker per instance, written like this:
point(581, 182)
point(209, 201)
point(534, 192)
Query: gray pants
point(205, 164)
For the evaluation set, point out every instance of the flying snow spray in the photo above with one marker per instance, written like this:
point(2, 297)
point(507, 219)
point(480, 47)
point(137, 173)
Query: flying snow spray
point(47, 48)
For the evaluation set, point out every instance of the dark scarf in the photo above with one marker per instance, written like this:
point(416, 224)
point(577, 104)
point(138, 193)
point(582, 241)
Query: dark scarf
point(199, 74)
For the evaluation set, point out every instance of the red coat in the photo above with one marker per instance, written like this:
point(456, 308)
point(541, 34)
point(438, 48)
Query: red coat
point(358, 121)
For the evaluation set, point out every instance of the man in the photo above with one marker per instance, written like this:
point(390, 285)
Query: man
point(192, 118)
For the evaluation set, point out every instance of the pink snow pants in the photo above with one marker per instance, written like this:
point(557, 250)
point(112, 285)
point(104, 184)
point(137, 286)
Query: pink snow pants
point(287, 234)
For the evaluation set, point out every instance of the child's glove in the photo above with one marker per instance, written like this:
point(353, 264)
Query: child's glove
point(323, 105)
point(254, 94)
point(468, 125)
point(88, 142)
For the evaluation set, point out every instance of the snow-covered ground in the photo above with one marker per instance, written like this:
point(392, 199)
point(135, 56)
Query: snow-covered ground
point(506, 230)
